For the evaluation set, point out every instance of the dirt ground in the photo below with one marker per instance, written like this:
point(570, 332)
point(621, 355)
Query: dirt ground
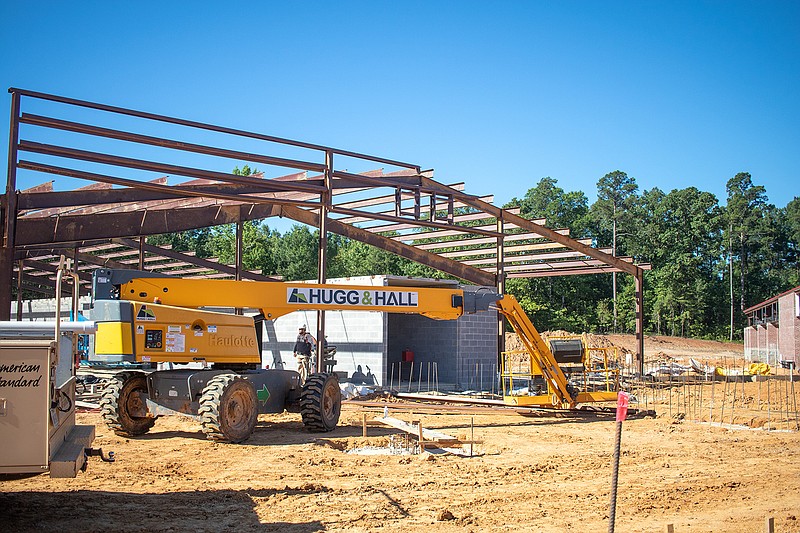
point(538, 473)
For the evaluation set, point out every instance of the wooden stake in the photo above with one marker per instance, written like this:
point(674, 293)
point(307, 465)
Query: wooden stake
point(769, 525)
point(364, 425)
point(670, 528)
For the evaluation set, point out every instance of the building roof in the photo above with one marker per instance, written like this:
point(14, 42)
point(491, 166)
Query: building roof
point(771, 300)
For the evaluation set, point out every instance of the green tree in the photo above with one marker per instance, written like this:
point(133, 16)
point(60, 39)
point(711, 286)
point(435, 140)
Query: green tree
point(296, 255)
point(561, 209)
point(745, 224)
point(616, 197)
point(680, 234)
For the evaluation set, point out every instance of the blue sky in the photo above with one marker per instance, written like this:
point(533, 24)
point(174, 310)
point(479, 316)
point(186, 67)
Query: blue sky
point(495, 94)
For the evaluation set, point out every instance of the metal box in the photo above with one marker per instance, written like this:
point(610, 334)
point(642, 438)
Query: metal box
point(24, 394)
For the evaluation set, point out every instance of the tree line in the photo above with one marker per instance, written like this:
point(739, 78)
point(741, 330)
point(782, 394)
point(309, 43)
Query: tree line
point(709, 261)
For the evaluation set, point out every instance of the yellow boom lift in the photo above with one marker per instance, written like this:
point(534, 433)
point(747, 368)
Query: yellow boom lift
point(150, 318)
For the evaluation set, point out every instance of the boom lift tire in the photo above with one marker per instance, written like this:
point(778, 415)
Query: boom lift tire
point(228, 408)
point(119, 399)
point(321, 402)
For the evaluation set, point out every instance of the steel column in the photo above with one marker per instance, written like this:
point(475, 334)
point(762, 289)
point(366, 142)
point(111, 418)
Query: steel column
point(239, 258)
point(501, 288)
point(639, 296)
point(9, 212)
point(324, 208)
point(20, 268)
point(141, 252)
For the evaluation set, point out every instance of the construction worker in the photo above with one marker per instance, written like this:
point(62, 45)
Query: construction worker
point(302, 351)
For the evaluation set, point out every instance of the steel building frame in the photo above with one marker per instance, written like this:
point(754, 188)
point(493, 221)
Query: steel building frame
point(401, 209)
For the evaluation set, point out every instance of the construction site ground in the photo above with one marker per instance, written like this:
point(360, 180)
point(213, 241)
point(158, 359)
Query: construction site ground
point(530, 473)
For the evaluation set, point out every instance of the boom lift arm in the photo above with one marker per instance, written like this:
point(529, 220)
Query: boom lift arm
point(148, 317)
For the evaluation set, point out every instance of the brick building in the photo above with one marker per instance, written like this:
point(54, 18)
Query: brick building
point(774, 331)
point(465, 350)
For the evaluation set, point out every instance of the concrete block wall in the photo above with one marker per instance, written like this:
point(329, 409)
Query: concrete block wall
point(432, 341)
point(464, 350)
point(477, 350)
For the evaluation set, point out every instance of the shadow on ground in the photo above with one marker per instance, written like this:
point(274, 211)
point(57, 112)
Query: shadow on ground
point(101, 511)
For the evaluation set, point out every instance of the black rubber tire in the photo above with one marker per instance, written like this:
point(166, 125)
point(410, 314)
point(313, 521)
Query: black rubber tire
point(228, 408)
point(119, 399)
point(321, 402)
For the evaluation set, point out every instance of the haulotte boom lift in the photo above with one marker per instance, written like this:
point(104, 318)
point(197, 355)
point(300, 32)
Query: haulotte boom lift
point(153, 318)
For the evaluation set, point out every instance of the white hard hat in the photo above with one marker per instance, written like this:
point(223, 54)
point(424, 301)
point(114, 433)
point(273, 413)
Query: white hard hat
point(302, 326)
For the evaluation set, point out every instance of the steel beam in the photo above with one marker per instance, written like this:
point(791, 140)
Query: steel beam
point(192, 260)
point(544, 231)
point(77, 127)
point(9, 205)
point(66, 228)
point(447, 266)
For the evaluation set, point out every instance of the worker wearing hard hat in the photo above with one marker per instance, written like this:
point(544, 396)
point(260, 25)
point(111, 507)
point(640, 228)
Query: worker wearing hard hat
point(302, 351)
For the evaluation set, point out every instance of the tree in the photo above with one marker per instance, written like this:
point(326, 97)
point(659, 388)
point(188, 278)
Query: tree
point(745, 222)
point(296, 254)
point(680, 234)
point(616, 196)
point(558, 303)
point(560, 209)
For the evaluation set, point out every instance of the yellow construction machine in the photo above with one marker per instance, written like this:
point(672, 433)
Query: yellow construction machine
point(146, 317)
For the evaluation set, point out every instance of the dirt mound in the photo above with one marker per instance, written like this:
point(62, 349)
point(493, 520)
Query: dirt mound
point(513, 342)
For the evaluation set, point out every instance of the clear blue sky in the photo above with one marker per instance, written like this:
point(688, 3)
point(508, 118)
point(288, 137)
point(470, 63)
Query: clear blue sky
point(496, 94)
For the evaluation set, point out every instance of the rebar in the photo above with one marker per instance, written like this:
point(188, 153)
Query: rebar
point(429, 376)
point(769, 406)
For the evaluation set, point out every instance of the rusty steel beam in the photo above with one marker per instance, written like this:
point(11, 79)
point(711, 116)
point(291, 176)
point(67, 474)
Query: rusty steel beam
point(565, 272)
point(47, 287)
point(85, 196)
point(356, 220)
point(448, 266)
point(509, 260)
point(514, 237)
point(491, 250)
point(47, 267)
point(389, 199)
point(162, 168)
point(422, 223)
point(544, 231)
point(470, 217)
point(193, 260)
point(42, 187)
point(348, 179)
point(65, 228)
point(77, 127)
point(9, 206)
point(435, 234)
point(173, 190)
point(204, 126)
